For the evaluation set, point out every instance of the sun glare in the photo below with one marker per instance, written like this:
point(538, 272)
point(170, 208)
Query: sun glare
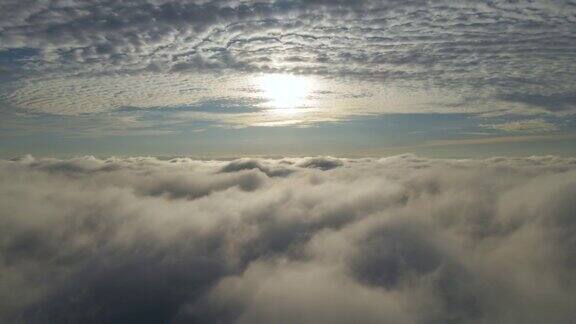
point(284, 91)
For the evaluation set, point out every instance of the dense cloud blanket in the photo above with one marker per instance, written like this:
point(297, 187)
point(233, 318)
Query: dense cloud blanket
point(309, 240)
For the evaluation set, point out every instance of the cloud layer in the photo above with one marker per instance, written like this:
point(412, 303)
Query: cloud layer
point(78, 57)
point(295, 240)
point(370, 38)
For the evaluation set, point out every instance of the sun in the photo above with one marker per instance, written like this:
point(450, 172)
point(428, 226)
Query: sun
point(284, 91)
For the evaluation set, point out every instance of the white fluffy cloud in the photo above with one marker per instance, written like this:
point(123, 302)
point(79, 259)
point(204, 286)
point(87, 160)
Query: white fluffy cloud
point(295, 240)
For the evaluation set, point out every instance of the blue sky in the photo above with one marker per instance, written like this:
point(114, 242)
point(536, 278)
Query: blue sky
point(233, 78)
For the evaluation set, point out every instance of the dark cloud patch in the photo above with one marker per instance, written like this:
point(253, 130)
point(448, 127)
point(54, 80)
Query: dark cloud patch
point(74, 166)
point(402, 239)
point(215, 107)
point(553, 103)
point(182, 186)
point(322, 163)
point(145, 288)
point(250, 164)
point(387, 257)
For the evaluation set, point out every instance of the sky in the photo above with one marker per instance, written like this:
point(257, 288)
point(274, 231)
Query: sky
point(287, 161)
point(219, 78)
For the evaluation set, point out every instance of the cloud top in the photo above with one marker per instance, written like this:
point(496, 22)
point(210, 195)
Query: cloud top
point(402, 239)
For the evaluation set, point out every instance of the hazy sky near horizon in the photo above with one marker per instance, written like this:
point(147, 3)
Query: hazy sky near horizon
point(269, 77)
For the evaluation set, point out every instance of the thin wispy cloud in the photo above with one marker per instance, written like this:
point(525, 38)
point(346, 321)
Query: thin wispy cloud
point(524, 126)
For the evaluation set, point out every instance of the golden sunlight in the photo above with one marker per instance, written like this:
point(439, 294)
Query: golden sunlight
point(284, 91)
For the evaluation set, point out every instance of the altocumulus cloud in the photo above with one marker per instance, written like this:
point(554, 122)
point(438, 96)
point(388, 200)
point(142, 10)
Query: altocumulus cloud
point(77, 57)
point(396, 240)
